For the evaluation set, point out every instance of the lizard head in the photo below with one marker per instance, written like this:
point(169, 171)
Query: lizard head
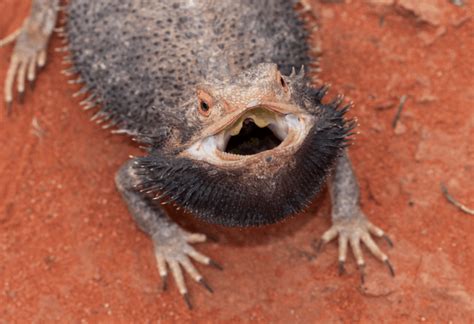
point(261, 146)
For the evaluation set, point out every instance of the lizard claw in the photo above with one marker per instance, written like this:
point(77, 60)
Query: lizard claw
point(351, 232)
point(173, 251)
point(342, 269)
point(204, 283)
point(390, 267)
point(164, 282)
point(29, 53)
point(362, 273)
point(187, 301)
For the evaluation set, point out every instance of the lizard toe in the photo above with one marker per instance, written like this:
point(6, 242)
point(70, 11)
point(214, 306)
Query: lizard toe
point(352, 233)
point(175, 253)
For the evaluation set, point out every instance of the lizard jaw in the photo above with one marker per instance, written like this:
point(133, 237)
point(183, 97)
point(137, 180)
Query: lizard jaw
point(290, 130)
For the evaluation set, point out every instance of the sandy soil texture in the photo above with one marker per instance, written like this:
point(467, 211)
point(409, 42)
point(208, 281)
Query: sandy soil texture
point(70, 252)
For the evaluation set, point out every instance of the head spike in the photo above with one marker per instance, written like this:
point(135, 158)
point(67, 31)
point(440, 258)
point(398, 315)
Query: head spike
point(301, 73)
point(293, 72)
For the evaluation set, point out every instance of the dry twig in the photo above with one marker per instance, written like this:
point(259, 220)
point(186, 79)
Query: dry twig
point(403, 99)
point(453, 201)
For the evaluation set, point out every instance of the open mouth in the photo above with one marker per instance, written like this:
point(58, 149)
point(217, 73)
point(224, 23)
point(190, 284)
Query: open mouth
point(257, 132)
point(252, 139)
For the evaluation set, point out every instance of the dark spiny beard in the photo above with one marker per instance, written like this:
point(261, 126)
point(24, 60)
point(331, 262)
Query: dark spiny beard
point(236, 197)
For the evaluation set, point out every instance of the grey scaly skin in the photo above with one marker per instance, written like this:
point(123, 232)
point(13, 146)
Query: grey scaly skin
point(234, 135)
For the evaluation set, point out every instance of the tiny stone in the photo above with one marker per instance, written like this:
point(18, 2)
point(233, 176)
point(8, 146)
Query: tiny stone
point(458, 3)
point(425, 10)
point(400, 128)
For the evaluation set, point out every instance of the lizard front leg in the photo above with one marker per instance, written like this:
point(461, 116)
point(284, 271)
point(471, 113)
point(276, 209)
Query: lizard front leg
point(349, 222)
point(172, 243)
point(30, 47)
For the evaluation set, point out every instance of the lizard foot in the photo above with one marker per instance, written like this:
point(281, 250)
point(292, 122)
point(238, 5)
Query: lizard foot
point(30, 49)
point(352, 231)
point(172, 248)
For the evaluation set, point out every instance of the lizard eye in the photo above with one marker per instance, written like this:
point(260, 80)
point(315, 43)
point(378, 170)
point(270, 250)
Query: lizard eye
point(204, 103)
point(204, 108)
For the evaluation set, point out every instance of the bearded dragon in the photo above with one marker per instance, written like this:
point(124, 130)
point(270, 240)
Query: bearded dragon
point(233, 134)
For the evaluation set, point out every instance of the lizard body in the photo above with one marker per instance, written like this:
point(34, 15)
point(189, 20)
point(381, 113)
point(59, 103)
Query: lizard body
point(234, 135)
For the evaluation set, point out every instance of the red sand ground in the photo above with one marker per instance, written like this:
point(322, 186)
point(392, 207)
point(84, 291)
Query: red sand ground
point(69, 250)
